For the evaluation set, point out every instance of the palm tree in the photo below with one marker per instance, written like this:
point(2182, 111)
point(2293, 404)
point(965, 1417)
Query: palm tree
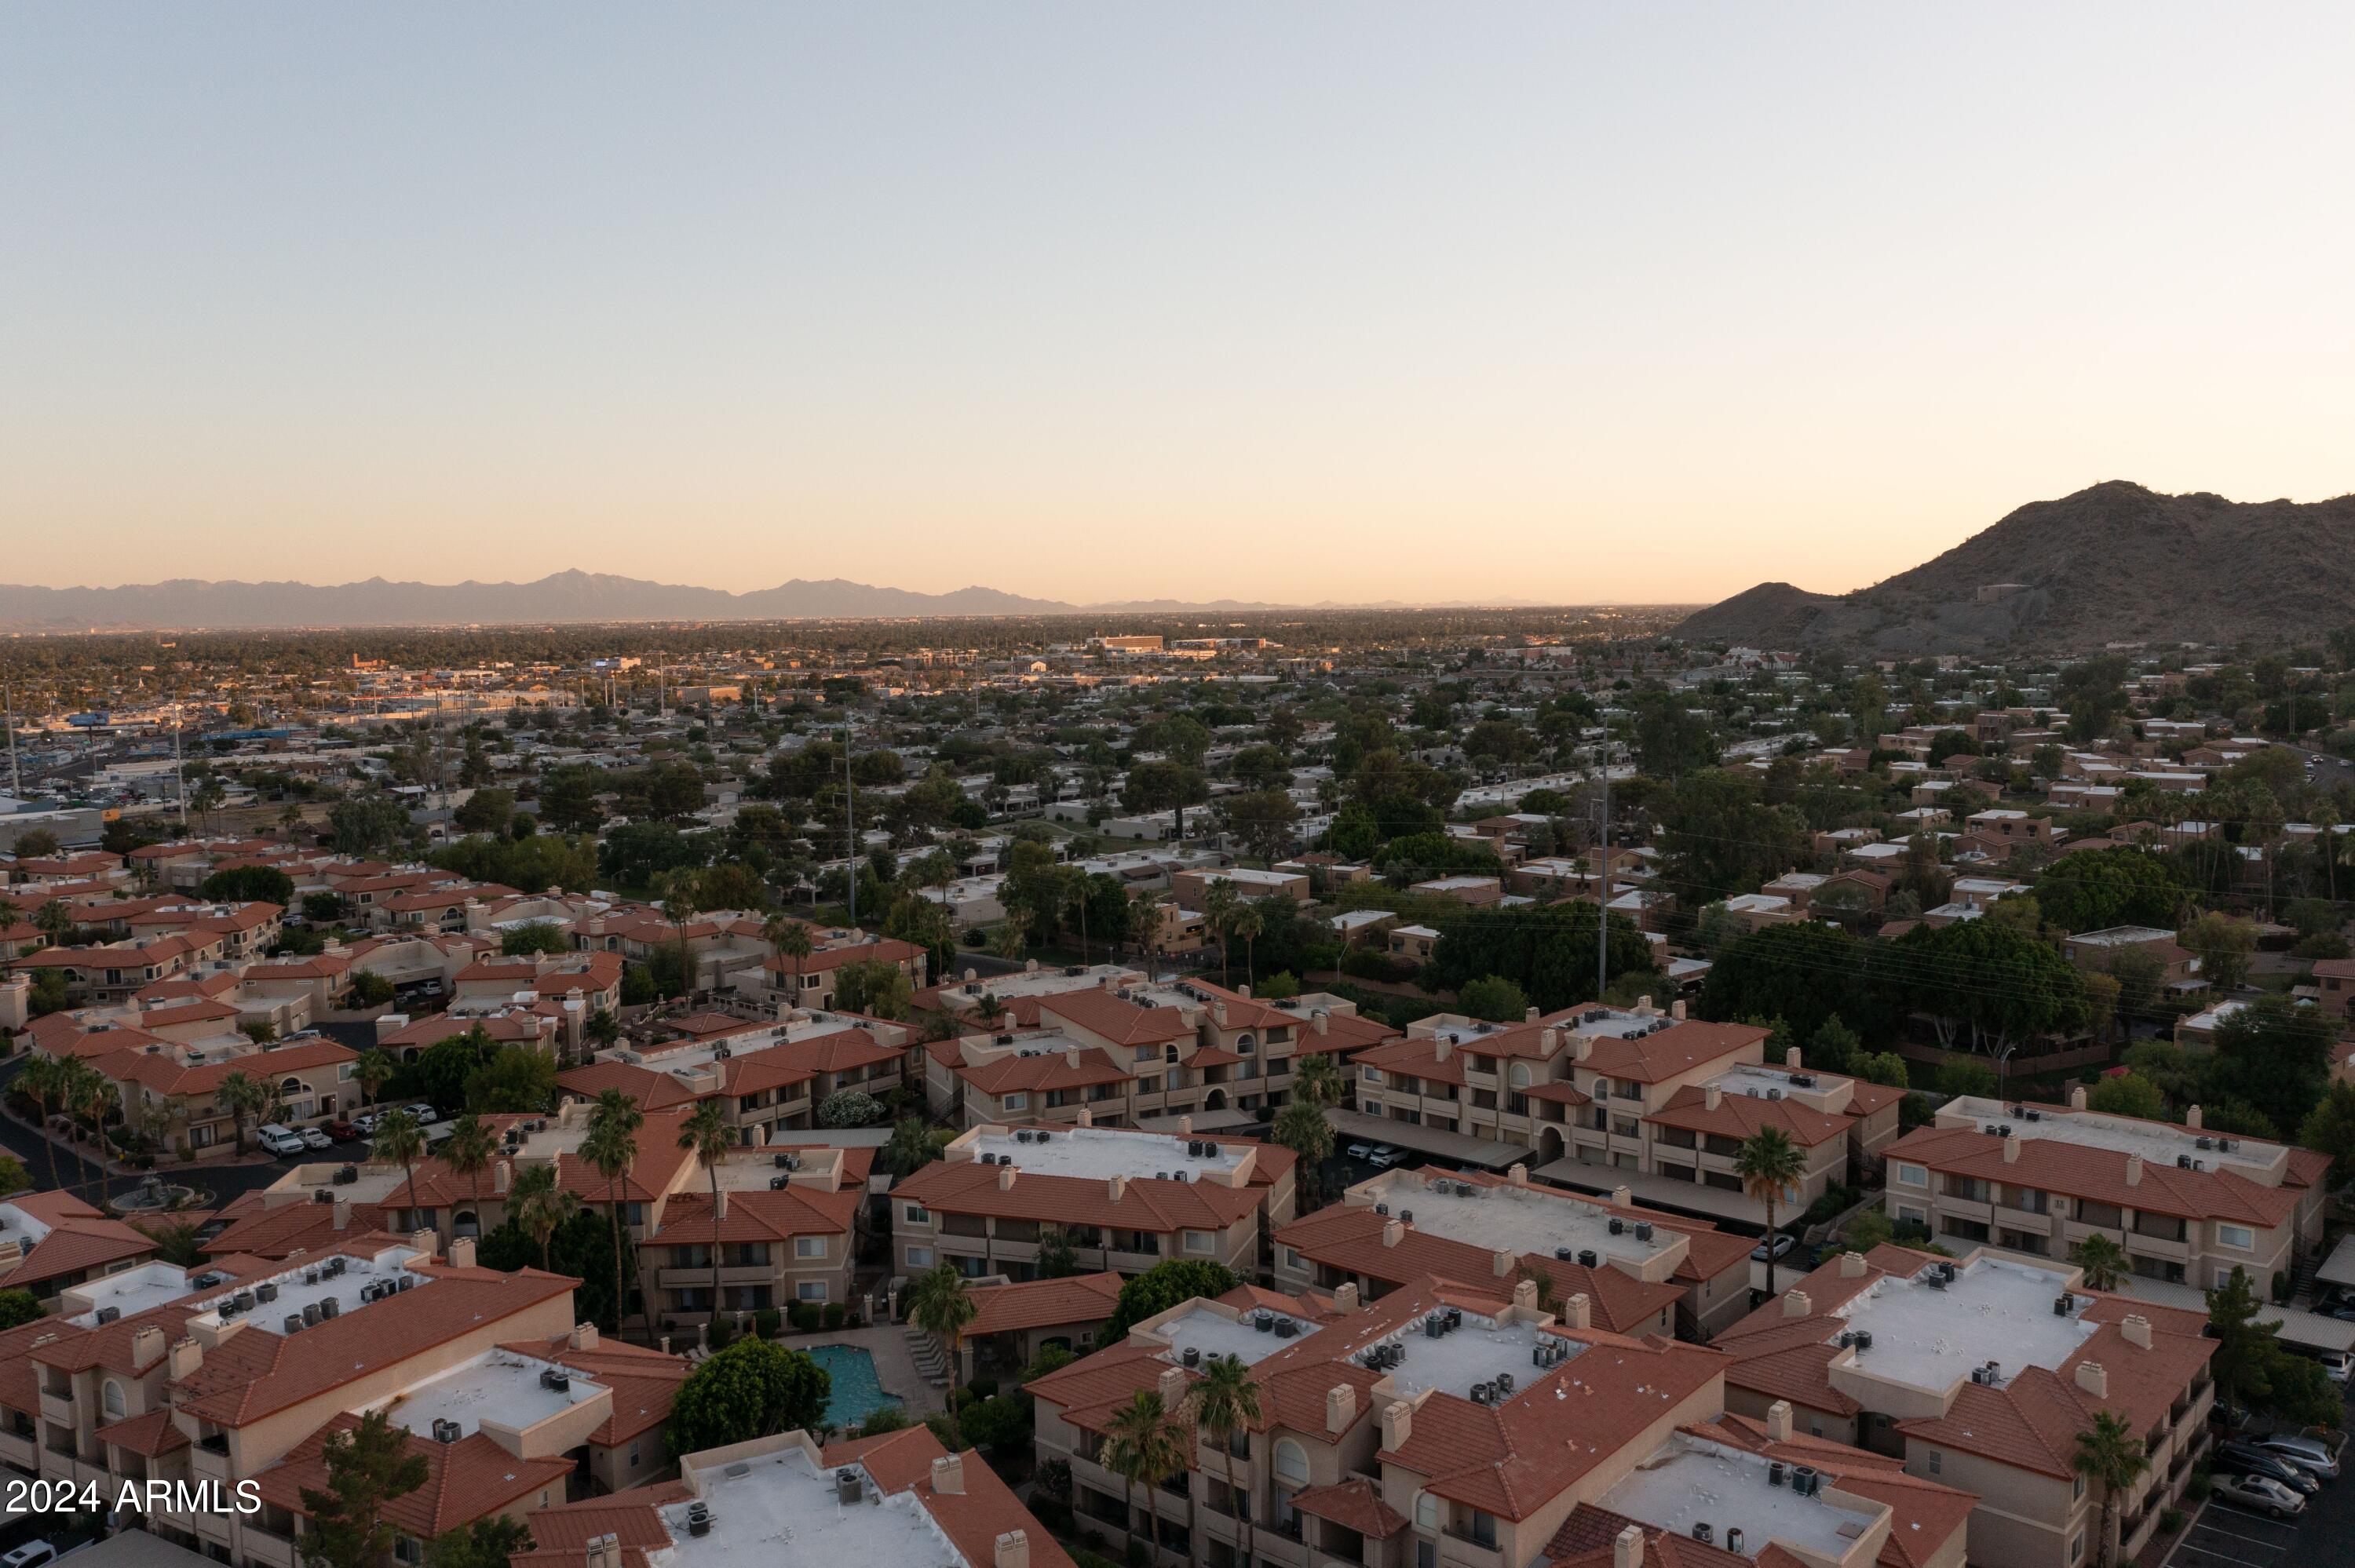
point(707, 1137)
point(790, 939)
point(2103, 1261)
point(1008, 939)
point(1248, 923)
point(540, 1203)
point(912, 1148)
point(42, 1080)
point(1301, 1127)
point(678, 907)
point(1771, 1167)
point(400, 1140)
point(1225, 1401)
point(242, 1095)
point(374, 1070)
point(939, 1304)
point(96, 1099)
point(468, 1152)
point(2110, 1455)
point(1144, 1444)
point(1219, 909)
point(1314, 1077)
point(55, 921)
point(610, 1149)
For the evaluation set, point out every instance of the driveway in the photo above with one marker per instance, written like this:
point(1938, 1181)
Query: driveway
point(81, 1177)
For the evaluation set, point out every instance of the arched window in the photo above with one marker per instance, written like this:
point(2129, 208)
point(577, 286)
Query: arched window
point(1519, 1075)
point(1426, 1511)
point(1245, 1044)
point(292, 1086)
point(1291, 1463)
point(1171, 1053)
point(112, 1396)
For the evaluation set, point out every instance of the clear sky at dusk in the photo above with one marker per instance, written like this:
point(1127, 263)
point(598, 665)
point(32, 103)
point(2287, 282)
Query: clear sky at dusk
point(1362, 302)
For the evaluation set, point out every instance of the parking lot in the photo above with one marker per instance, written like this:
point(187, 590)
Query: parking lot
point(2228, 1534)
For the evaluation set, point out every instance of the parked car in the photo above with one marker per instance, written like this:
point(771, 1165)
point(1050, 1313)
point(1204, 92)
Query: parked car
point(316, 1137)
point(2310, 1454)
point(2262, 1493)
point(345, 1131)
point(32, 1554)
point(1361, 1151)
point(1385, 1156)
point(2246, 1459)
point(2337, 1364)
point(280, 1140)
point(425, 1115)
point(1784, 1241)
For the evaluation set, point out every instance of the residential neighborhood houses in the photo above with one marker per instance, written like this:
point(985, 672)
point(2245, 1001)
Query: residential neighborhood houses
point(1211, 1100)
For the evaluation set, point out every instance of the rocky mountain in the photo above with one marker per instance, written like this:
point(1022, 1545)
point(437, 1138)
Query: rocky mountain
point(564, 596)
point(2115, 563)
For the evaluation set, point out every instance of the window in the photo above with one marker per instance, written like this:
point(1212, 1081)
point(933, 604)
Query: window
point(1937, 1462)
point(1291, 1257)
point(1426, 1511)
point(809, 1246)
point(114, 1400)
point(1291, 1463)
point(1015, 1102)
point(1912, 1175)
point(810, 1290)
point(2241, 1238)
point(915, 1215)
point(634, 1456)
point(920, 1258)
point(2078, 1490)
point(1371, 1074)
point(1146, 1052)
point(2076, 1546)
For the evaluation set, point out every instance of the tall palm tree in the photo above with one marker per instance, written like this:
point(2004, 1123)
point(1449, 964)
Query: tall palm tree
point(1218, 910)
point(55, 921)
point(1771, 1168)
point(400, 1140)
point(1301, 1127)
point(468, 1151)
point(1248, 923)
point(610, 1149)
point(1144, 1444)
point(98, 1099)
point(790, 939)
point(2110, 1455)
point(1226, 1402)
point(540, 1203)
point(912, 1148)
point(2103, 1261)
point(679, 906)
point(374, 1070)
point(1314, 1077)
point(42, 1080)
point(706, 1134)
point(939, 1304)
point(244, 1096)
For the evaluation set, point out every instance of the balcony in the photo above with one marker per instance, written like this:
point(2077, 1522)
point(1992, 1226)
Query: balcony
point(700, 1278)
point(2023, 1219)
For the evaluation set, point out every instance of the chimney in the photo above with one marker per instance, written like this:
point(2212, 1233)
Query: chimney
point(1005, 1178)
point(1501, 1261)
point(1393, 1231)
point(1013, 1550)
point(1528, 1015)
point(1341, 1408)
point(1621, 1197)
point(2191, 1119)
point(1087, 1116)
point(462, 1250)
point(2133, 1170)
point(1185, 1125)
point(972, 975)
point(948, 1475)
point(1006, 1024)
point(426, 1240)
point(1219, 1013)
point(1644, 1008)
point(502, 1175)
point(1628, 1548)
point(1549, 1039)
point(1518, 1175)
point(187, 1357)
point(1116, 1186)
point(1072, 1056)
point(1578, 1312)
point(1243, 992)
point(2093, 1378)
point(146, 1347)
point(343, 1207)
point(1778, 1422)
point(2076, 1097)
point(1439, 1047)
point(1323, 1020)
point(582, 1337)
point(1711, 1096)
point(1172, 1387)
point(1580, 1045)
point(1345, 1295)
point(1851, 1266)
point(1398, 1423)
point(1791, 1059)
point(2137, 1329)
point(1676, 1009)
point(2012, 1149)
point(1797, 1304)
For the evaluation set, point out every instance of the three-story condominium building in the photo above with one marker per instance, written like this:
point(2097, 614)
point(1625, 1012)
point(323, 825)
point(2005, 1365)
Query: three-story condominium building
point(1123, 1200)
point(770, 1077)
point(2187, 1205)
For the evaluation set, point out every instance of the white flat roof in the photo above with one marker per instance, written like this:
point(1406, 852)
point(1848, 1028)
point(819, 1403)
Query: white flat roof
point(2154, 1140)
point(1480, 1351)
point(132, 1291)
point(1213, 1333)
point(781, 1511)
point(1102, 1152)
point(1518, 1219)
point(1034, 982)
point(695, 1057)
point(498, 1383)
point(1693, 1481)
point(1995, 1310)
point(309, 1283)
point(13, 1219)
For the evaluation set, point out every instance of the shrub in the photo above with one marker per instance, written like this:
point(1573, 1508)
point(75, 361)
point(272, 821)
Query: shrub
point(832, 1315)
point(982, 1387)
point(720, 1332)
point(806, 1317)
point(2170, 1522)
point(767, 1321)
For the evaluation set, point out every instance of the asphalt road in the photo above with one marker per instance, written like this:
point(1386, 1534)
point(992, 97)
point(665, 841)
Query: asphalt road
point(81, 1176)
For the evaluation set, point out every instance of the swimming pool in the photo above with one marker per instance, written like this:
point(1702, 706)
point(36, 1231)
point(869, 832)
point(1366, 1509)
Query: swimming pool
point(856, 1389)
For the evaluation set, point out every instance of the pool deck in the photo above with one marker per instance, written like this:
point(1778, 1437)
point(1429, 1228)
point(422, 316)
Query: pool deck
point(894, 1368)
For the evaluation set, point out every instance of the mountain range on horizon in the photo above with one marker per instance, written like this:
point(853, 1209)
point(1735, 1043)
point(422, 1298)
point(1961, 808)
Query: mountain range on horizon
point(571, 596)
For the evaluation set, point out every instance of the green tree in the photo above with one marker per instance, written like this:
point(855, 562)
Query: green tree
point(244, 1096)
point(515, 1080)
point(2103, 1262)
point(1056, 1258)
point(752, 1389)
point(1162, 1287)
point(2128, 1093)
point(2246, 1345)
point(1770, 1166)
point(1720, 837)
point(369, 1465)
point(939, 1303)
point(468, 1152)
point(370, 825)
point(1301, 1127)
point(1144, 1444)
point(1224, 1402)
point(538, 1203)
point(374, 1070)
point(400, 1141)
point(1494, 998)
point(42, 1080)
point(2109, 1455)
point(2223, 946)
point(706, 1134)
point(248, 885)
point(2274, 1057)
point(535, 937)
point(1262, 822)
point(488, 1543)
point(610, 1149)
point(912, 1147)
point(2096, 889)
point(19, 1307)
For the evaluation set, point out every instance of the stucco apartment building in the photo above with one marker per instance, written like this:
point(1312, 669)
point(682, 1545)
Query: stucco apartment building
point(172, 1059)
point(1642, 1271)
point(2187, 1206)
point(1603, 1096)
point(1462, 1425)
point(1124, 1201)
point(51, 1242)
point(1978, 1372)
point(771, 1077)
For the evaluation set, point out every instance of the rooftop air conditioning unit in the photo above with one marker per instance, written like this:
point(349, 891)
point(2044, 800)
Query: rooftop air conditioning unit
point(294, 1323)
point(1406, 1216)
point(1643, 1229)
point(1618, 1225)
point(1773, 1472)
point(2032, 1114)
point(1864, 1339)
point(1702, 1534)
point(846, 1485)
point(323, 1196)
point(1586, 1257)
point(1381, 1208)
point(2183, 1162)
point(1773, 1094)
point(1192, 1356)
point(109, 1314)
point(1563, 1253)
point(329, 1308)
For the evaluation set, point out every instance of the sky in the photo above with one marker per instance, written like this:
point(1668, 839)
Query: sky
point(1362, 302)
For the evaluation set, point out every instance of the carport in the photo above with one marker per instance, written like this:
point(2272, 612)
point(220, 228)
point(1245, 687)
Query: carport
point(2308, 1330)
point(1487, 1153)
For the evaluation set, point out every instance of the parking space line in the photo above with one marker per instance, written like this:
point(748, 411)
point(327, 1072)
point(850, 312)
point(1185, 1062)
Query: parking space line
point(2221, 1556)
point(2253, 1540)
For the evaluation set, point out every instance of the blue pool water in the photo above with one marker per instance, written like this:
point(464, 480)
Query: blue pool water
point(855, 1390)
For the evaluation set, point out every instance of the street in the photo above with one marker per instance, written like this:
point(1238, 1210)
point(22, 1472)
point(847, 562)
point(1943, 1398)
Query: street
point(81, 1177)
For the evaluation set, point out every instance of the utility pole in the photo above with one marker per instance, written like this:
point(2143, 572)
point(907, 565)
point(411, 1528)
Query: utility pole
point(1603, 870)
point(849, 820)
point(15, 779)
point(179, 779)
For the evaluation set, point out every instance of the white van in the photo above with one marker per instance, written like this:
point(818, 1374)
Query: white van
point(281, 1140)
